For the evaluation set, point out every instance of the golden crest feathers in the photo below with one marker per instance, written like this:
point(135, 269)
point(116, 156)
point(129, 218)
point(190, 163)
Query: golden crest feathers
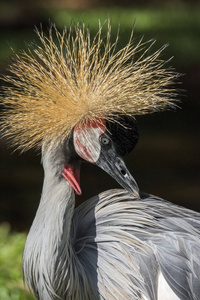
point(70, 78)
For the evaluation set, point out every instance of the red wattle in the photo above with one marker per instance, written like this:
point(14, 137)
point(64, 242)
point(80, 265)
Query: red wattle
point(72, 175)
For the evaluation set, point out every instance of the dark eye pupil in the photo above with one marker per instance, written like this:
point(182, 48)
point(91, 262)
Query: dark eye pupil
point(104, 140)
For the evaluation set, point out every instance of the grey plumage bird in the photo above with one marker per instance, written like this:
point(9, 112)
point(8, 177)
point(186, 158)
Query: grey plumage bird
point(120, 244)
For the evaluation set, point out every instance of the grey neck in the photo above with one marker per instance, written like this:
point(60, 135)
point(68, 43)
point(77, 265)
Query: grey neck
point(48, 250)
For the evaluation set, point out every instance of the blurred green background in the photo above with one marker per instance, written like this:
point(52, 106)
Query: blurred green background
point(166, 160)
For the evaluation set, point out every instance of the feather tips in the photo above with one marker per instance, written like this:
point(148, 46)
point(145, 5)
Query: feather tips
point(69, 79)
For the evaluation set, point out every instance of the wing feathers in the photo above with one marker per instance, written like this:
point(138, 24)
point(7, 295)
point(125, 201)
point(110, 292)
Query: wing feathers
point(133, 241)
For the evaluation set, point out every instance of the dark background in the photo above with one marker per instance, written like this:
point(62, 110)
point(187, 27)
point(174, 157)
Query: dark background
point(166, 160)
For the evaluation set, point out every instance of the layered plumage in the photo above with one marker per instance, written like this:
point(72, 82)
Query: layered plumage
point(117, 245)
point(68, 78)
point(145, 238)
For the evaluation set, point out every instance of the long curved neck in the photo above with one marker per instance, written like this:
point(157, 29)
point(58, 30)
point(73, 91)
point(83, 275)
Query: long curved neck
point(48, 249)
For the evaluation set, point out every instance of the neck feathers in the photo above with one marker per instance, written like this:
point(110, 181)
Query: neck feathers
point(48, 250)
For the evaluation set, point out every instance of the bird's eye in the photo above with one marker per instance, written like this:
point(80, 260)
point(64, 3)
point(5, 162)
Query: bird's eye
point(104, 140)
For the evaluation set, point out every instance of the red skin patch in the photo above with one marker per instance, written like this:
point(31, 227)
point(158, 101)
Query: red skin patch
point(86, 139)
point(85, 148)
point(72, 175)
point(97, 123)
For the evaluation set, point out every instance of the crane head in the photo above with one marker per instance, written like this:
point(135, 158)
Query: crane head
point(75, 88)
point(103, 144)
point(69, 78)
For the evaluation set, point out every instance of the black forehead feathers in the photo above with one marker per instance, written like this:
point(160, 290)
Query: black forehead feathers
point(124, 133)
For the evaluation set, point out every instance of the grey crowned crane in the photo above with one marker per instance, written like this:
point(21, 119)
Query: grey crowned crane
point(76, 99)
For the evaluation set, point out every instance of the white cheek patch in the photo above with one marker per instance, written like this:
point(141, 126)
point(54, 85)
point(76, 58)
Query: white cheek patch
point(86, 141)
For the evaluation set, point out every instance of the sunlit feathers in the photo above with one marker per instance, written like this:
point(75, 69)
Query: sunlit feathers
point(68, 78)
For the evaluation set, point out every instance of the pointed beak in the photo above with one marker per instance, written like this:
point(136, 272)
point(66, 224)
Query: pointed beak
point(114, 165)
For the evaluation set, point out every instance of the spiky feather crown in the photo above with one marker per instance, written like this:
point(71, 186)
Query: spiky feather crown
point(71, 78)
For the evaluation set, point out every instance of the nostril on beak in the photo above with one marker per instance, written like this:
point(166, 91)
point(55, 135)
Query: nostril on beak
point(123, 172)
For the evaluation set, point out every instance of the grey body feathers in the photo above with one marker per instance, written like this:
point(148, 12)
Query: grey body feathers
point(119, 244)
point(136, 239)
point(113, 246)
